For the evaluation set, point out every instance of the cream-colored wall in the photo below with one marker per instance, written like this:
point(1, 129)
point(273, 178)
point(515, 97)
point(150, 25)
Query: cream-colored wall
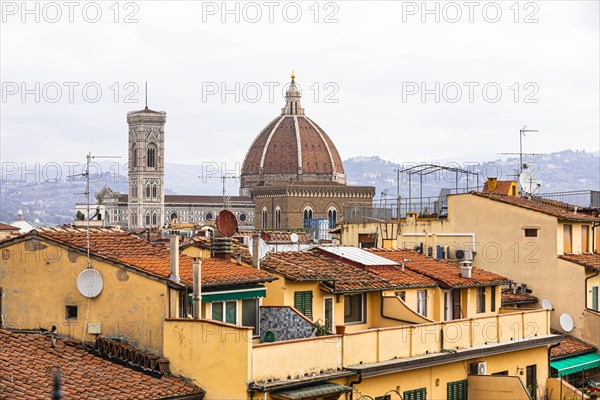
point(566, 392)
point(435, 379)
point(592, 279)
point(576, 247)
point(38, 285)
point(215, 356)
point(485, 387)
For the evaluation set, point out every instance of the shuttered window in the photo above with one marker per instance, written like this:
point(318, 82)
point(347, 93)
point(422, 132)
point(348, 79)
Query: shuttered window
point(585, 238)
point(303, 303)
point(567, 238)
point(457, 390)
point(417, 394)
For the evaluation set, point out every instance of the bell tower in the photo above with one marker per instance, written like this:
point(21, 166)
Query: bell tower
point(146, 202)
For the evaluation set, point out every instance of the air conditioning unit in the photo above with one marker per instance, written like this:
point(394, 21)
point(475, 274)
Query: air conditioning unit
point(478, 368)
point(463, 255)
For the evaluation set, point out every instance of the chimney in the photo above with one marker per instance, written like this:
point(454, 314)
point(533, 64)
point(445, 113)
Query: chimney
point(256, 250)
point(221, 248)
point(238, 259)
point(466, 269)
point(174, 251)
point(197, 293)
point(434, 245)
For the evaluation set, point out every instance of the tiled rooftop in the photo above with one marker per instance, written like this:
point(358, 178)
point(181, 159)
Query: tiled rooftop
point(550, 207)
point(571, 346)
point(311, 266)
point(589, 261)
point(5, 227)
point(443, 271)
point(279, 236)
point(152, 258)
point(510, 298)
point(28, 364)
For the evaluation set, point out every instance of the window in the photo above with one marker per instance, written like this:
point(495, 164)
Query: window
point(531, 378)
point(148, 191)
point(303, 303)
point(332, 216)
point(154, 191)
point(277, 218)
point(134, 155)
point(71, 312)
point(224, 311)
point(242, 217)
point(250, 314)
point(354, 308)
point(401, 294)
point(531, 232)
point(154, 219)
point(595, 298)
point(456, 390)
point(265, 218)
point(567, 238)
point(208, 216)
point(481, 299)
point(307, 216)
point(173, 216)
point(493, 299)
point(151, 161)
point(585, 238)
point(417, 394)
point(147, 219)
point(328, 313)
point(422, 302)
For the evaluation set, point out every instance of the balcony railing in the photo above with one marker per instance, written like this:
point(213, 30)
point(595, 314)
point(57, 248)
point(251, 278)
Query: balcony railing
point(282, 360)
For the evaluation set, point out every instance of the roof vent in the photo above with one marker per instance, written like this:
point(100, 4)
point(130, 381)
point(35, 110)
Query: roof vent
point(466, 269)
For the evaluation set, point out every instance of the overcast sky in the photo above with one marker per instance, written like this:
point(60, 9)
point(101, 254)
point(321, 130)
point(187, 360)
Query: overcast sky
point(362, 67)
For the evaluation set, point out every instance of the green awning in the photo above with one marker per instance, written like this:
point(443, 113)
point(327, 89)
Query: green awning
point(311, 392)
point(233, 294)
point(571, 365)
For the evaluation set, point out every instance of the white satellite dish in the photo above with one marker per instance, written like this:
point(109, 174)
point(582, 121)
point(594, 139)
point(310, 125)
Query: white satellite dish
point(529, 183)
point(294, 237)
point(546, 304)
point(263, 248)
point(90, 283)
point(566, 323)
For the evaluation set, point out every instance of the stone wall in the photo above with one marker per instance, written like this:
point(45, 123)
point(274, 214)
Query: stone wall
point(285, 323)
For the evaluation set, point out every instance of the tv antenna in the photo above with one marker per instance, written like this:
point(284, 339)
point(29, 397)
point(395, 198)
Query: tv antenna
point(522, 133)
point(223, 179)
point(86, 175)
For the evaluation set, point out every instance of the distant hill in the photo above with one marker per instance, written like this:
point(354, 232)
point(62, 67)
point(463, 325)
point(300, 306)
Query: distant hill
point(47, 195)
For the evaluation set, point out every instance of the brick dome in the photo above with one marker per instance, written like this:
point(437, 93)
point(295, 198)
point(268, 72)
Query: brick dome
point(291, 148)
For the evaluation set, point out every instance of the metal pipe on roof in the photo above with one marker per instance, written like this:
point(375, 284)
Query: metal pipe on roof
point(174, 255)
point(197, 295)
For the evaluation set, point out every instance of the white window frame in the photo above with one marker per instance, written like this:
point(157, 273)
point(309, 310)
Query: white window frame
point(422, 302)
point(325, 299)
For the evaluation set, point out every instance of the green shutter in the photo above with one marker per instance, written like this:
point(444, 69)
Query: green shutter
point(303, 303)
point(457, 390)
point(417, 394)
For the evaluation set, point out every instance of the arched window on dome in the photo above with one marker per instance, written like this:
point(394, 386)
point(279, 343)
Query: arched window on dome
point(307, 216)
point(265, 218)
point(277, 218)
point(151, 159)
point(332, 216)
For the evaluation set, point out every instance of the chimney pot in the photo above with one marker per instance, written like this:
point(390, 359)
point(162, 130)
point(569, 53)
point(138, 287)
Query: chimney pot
point(466, 269)
point(174, 255)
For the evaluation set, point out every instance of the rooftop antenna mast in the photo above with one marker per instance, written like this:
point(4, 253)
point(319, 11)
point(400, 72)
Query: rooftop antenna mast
point(146, 93)
point(86, 175)
point(522, 133)
point(223, 179)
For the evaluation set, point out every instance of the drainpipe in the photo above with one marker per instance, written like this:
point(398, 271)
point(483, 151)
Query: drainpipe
point(352, 383)
point(197, 296)
point(174, 252)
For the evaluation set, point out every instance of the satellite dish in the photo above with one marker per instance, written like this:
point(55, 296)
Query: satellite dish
point(263, 248)
point(227, 223)
point(566, 323)
point(90, 283)
point(529, 183)
point(294, 237)
point(546, 304)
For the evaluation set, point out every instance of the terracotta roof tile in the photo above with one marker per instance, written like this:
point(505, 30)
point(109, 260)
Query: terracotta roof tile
point(28, 364)
point(442, 271)
point(589, 261)
point(571, 346)
point(5, 227)
point(279, 236)
point(510, 298)
point(152, 258)
point(340, 276)
point(550, 207)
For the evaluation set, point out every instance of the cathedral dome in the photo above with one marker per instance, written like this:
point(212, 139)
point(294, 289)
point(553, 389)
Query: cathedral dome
point(291, 148)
